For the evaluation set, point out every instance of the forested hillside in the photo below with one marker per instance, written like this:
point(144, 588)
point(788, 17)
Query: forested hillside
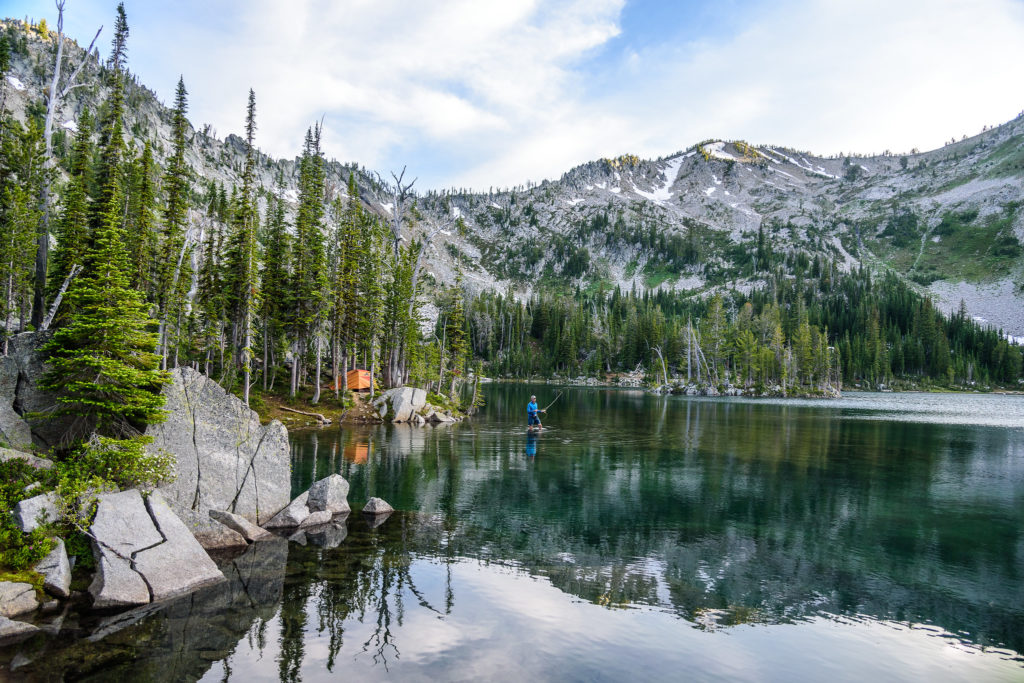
point(725, 265)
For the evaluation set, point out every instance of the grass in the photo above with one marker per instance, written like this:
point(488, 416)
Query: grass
point(1008, 158)
point(970, 248)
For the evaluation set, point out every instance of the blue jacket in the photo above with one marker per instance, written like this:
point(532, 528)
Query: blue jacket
point(531, 408)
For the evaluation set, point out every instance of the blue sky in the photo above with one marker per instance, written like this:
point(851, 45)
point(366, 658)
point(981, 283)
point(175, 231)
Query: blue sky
point(478, 94)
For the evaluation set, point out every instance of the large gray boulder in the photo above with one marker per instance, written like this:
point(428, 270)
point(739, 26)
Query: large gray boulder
point(30, 399)
point(144, 552)
point(16, 598)
point(402, 403)
point(330, 493)
point(56, 571)
point(226, 460)
point(29, 512)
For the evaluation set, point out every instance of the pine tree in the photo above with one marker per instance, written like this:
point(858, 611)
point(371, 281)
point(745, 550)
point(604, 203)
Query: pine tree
point(241, 261)
point(309, 273)
point(274, 284)
point(102, 364)
point(174, 269)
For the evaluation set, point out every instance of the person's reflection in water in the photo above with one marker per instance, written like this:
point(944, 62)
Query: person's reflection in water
point(531, 443)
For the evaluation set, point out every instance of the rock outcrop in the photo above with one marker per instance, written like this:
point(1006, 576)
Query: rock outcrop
point(324, 499)
point(226, 460)
point(144, 552)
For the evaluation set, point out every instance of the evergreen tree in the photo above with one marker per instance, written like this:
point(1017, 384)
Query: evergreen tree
point(102, 365)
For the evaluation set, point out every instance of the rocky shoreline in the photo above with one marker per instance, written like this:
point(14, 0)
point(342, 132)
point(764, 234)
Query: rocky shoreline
point(232, 483)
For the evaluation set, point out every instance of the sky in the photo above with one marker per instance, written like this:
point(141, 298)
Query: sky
point(476, 94)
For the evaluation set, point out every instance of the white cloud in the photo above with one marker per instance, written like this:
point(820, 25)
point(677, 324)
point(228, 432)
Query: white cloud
point(477, 93)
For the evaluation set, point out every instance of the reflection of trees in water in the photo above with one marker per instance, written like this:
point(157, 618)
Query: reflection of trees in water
point(746, 511)
point(368, 579)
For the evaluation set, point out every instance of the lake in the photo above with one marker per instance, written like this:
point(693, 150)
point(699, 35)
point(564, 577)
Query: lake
point(637, 537)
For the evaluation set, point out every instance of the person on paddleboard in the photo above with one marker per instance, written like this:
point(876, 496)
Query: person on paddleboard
point(532, 419)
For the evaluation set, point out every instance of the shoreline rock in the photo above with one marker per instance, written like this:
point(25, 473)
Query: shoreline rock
point(226, 460)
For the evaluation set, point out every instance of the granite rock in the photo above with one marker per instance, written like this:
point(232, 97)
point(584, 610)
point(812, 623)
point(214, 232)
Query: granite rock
point(56, 571)
point(330, 493)
point(225, 459)
point(249, 531)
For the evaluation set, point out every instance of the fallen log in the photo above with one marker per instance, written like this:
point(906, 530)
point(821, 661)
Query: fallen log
point(318, 416)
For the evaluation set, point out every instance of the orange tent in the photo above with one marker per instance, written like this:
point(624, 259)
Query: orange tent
point(358, 380)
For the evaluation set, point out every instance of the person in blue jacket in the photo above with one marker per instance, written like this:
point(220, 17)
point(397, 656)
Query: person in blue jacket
point(532, 419)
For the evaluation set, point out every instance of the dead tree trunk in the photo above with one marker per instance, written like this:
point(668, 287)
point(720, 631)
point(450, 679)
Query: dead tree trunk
point(53, 100)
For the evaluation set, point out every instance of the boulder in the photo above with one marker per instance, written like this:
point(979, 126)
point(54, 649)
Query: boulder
point(179, 564)
point(30, 399)
point(56, 571)
point(293, 515)
point(17, 598)
point(144, 552)
point(377, 506)
point(330, 493)
point(249, 531)
point(15, 631)
point(33, 460)
point(225, 459)
point(401, 403)
point(317, 518)
point(29, 512)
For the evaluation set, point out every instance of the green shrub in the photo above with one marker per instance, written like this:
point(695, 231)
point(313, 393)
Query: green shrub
point(20, 551)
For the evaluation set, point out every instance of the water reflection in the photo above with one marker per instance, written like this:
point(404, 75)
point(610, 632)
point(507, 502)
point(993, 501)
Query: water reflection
point(725, 511)
point(619, 542)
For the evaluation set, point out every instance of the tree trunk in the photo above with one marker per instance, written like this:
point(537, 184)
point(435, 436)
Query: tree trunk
point(316, 382)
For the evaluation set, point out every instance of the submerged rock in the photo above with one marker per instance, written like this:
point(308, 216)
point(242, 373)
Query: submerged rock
point(226, 460)
point(328, 536)
point(56, 571)
point(17, 598)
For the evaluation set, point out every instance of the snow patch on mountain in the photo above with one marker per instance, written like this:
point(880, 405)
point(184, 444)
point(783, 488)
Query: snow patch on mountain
point(716, 150)
point(15, 83)
point(664, 193)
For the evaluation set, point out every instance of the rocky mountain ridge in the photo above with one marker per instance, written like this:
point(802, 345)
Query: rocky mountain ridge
point(947, 220)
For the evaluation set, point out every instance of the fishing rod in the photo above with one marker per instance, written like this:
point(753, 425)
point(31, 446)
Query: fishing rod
point(545, 408)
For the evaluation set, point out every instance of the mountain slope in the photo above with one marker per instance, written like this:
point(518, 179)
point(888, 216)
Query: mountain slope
point(947, 220)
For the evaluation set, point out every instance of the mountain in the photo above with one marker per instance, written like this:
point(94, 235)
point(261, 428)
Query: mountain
point(948, 220)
